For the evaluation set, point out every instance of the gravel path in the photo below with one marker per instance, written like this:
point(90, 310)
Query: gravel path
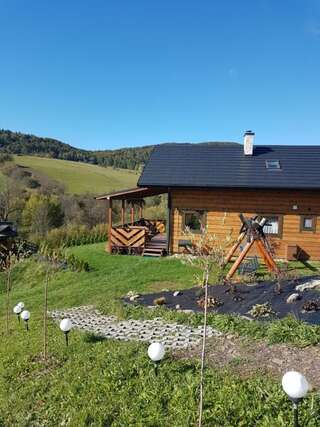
point(172, 335)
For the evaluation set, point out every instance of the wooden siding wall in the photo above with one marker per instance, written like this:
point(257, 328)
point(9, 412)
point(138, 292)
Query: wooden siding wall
point(223, 207)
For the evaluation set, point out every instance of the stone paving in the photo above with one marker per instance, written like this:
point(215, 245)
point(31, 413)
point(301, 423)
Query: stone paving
point(172, 335)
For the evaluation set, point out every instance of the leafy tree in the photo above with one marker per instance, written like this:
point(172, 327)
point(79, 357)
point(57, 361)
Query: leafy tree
point(11, 200)
point(41, 213)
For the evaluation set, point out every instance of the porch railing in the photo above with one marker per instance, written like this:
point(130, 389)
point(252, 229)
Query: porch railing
point(132, 237)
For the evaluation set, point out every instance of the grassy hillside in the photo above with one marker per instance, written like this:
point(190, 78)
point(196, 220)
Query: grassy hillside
point(80, 177)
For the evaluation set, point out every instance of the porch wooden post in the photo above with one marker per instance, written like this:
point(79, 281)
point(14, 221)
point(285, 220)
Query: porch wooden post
point(169, 223)
point(110, 224)
point(122, 212)
point(140, 212)
point(132, 214)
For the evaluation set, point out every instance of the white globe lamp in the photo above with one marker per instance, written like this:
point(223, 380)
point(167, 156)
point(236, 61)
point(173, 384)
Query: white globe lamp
point(21, 305)
point(25, 315)
point(296, 386)
point(66, 326)
point(17, 310)
point(156, 353)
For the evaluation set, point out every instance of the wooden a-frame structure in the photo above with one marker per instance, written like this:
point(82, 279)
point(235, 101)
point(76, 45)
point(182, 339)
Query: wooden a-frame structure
point(252, 230)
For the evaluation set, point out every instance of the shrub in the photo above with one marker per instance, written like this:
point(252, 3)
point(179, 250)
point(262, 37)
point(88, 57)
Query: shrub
point(159, 301)
point(63, 259)
point(73, 235)
point(5, 157)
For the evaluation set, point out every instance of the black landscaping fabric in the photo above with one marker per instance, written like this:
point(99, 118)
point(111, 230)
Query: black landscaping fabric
point(245, 297)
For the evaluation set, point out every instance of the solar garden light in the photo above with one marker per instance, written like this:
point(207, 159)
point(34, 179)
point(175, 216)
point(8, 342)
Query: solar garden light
point(17, 310)
point(25, 315)
point(156, 353)
point(296, 387)
point(21, 305)
point(66, 326)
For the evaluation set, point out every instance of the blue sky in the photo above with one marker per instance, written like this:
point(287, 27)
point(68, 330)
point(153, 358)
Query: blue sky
point(101, 74)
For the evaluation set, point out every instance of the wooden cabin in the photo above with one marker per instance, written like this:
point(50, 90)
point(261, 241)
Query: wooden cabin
point(210, 184)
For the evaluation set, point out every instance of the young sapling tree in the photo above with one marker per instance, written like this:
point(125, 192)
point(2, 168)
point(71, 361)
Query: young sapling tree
point(206, 252)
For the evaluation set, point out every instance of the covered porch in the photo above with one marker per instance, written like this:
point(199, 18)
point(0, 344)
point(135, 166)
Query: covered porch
point(138, 235)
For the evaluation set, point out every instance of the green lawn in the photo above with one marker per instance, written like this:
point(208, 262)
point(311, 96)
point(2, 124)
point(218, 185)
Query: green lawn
point(110, 277)
point(80, 177)
point(105, 383)
point(98, 382)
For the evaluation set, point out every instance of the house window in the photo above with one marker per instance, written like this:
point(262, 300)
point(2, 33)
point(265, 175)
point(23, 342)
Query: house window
point(193, 220)
point(273, 226)
point(273, 165)
point(308, 223)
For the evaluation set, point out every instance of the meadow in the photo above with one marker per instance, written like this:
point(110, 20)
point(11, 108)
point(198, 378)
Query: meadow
point(78, 177)
point(97, 382)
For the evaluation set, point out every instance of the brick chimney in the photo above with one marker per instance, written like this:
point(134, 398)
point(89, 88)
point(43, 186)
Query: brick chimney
point(248, 143)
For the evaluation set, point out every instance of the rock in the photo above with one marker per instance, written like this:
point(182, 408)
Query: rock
point(131, 294)
point(187, 311)
point(134, 297)
point(311, 284)
point(293, 298)
point(178, 307)
point(243, 316)
point(176, 293)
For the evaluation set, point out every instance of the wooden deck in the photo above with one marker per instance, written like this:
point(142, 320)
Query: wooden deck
point(143, 237)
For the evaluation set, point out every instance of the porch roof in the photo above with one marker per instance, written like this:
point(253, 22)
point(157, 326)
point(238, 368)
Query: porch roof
point(133, 193)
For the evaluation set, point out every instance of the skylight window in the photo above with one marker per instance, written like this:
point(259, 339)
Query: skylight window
point(273, 164)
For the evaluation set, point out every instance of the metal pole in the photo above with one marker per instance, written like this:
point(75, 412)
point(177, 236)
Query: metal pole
point(27, 326)
point(156, 364)
point(18, 318)
point(295, 414)
point(67, 338)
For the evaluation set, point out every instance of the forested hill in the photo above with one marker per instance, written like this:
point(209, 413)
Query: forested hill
point(125, 158)
point(20, 143)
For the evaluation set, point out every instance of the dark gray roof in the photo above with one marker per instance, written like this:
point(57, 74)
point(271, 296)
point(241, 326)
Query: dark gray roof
point(200, 165)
